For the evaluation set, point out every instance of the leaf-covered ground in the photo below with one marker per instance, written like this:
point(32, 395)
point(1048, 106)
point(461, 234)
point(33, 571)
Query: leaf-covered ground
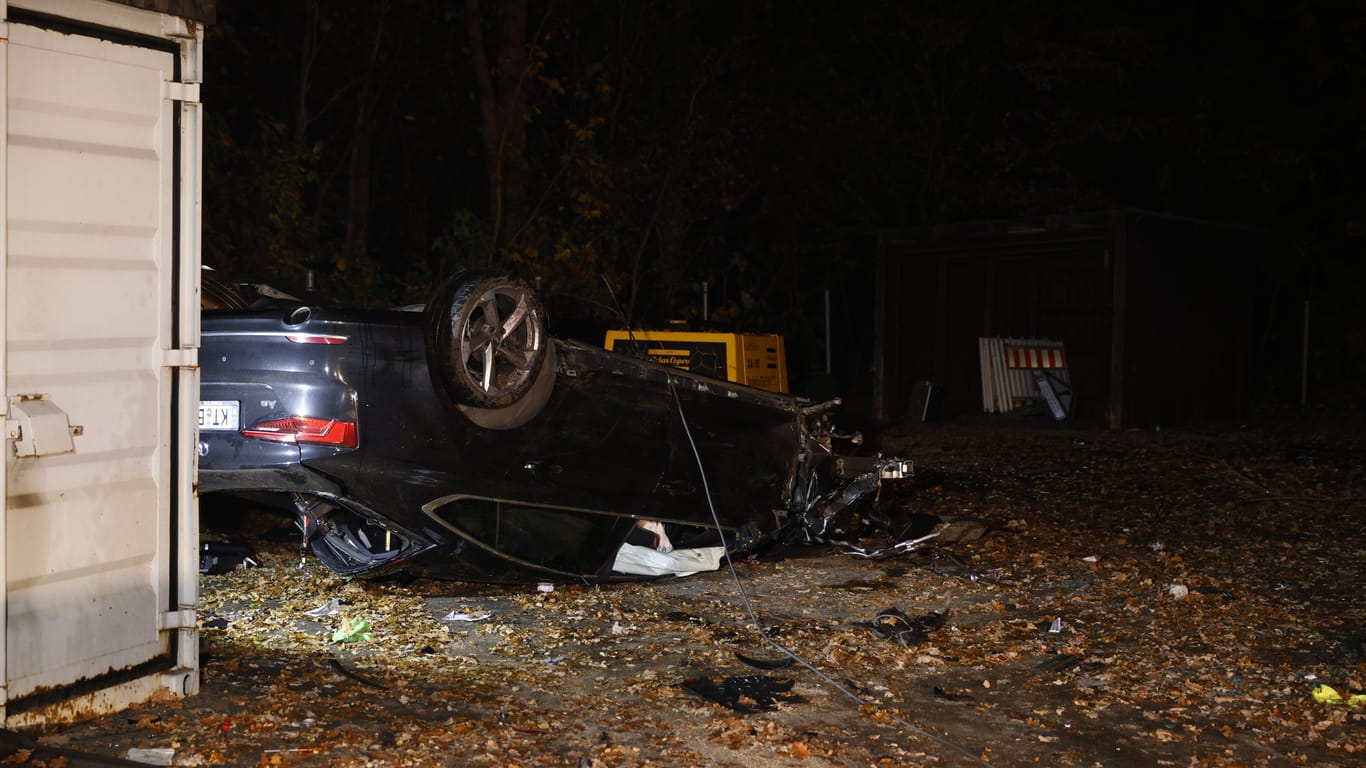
point(1162, 597)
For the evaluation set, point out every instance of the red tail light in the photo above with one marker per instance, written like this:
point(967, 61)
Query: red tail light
point(301, 429)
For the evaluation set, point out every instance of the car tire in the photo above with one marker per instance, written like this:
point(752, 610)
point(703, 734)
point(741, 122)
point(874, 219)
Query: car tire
point(489, 349)
point(524, 410)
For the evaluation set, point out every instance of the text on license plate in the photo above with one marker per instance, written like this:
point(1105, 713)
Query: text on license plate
point(219, 414)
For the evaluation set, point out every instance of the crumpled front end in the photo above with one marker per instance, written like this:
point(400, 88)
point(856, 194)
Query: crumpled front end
point(830, 488)
point(837, 499)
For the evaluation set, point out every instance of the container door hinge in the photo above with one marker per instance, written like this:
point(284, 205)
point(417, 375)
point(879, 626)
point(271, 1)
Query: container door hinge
point(180, 358)
point(184, 618)
point(186, 92)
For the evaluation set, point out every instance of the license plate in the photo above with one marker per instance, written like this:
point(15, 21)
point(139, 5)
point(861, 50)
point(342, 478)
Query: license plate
point(219, 414)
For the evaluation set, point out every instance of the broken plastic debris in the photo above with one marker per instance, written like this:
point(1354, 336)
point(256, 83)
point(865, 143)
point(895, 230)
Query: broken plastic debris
point(152, 756)
point(1056, 626)
point(746, 694)
point(1090, 559)
point(1179, 591)
point(892, 624)
point(357, 631)
point(1327, 695)
point(453, 616)
point(329, 608)
point(545, 586)
point(765, 663)
point(216, 557)
point(922, 531)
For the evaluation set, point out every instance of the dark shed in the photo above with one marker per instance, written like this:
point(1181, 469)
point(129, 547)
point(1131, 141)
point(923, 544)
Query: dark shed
point(1156, 311)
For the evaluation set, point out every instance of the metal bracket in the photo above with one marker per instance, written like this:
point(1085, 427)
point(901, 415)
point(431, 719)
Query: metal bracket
point(39, 428)
point(186, 92)
point(181, 619)
point(180, 358)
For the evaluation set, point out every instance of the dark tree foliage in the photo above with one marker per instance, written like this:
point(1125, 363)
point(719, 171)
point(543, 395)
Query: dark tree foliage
point(655, 146)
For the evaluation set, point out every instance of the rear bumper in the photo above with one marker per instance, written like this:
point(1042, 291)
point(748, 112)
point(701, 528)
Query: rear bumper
point(291, 479)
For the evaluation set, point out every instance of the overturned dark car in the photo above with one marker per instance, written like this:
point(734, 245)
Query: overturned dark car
point(463, 441)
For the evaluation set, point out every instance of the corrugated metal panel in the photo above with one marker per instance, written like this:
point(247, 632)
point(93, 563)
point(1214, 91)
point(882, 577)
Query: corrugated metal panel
point(96, 539)
point(88, 256)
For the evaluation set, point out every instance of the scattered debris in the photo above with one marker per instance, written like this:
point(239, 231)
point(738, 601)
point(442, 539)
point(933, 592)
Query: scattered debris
point(1056, 626)
point(892, 624)
point(1178, 591)
point(329, 608)
point(745, 694)
point(353, 631)
point(1327, 695)
point(921, 530)
point(782, 663)
point(152, 756)
point(453, 616)
point(217, 557)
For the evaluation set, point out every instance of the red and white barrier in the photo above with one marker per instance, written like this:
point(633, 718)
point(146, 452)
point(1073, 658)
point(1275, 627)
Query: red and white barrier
point(1017, 373)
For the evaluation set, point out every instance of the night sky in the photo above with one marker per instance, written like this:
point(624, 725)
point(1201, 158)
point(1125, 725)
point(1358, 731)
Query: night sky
point(758, 145)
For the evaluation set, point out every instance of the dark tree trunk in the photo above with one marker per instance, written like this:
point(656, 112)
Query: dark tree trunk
point(502, 105)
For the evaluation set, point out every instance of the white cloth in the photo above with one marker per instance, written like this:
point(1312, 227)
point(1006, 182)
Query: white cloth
point(644, 561)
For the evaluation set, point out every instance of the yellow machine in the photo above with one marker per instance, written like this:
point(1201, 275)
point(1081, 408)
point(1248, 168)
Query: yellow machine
point(756, 359)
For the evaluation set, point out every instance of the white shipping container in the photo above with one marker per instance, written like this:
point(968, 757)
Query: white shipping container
point(99, 268)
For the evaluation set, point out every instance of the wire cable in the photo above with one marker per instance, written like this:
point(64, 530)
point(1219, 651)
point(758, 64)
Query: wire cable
point(753, 615)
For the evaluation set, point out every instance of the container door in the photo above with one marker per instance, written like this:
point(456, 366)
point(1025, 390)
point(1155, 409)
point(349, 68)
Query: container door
point(91, 377)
